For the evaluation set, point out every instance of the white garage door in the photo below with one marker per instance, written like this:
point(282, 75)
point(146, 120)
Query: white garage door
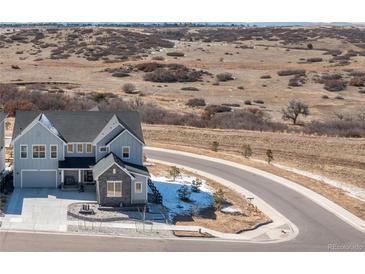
point(39, 178)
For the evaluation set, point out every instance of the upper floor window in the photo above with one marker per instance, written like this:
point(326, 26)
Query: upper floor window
point(89, 148)
point(23, 151)
point(70, 148)
point(39, 151)
point(103, 149)
point(53, 152)
point(79, 148)
point(125, 152)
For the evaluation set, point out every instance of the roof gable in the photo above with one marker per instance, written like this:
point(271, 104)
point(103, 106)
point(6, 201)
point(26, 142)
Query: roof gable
point(80, 126)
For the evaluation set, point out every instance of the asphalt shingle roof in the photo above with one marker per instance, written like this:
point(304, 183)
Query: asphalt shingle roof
point(77, 162)
point(3, 115)
point(110, 159)
point(80, 126)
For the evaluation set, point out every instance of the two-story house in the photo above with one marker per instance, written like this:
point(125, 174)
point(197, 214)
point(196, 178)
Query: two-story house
point(56, 148)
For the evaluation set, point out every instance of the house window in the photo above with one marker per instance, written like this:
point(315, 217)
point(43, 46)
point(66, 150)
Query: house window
point(79, 148)
point(39, 151)
point(138, 187)
point(70, 148)
point(114, 189)
point(23, 151)
point(103, 149)
point(114, 171)
point(125, 152)
point(54, 152)
point(89, 148)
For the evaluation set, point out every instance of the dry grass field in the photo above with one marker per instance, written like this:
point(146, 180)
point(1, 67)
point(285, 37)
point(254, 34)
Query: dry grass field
point(80, 56)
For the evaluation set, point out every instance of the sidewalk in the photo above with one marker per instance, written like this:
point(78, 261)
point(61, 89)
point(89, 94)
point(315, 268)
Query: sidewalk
point(267, 233)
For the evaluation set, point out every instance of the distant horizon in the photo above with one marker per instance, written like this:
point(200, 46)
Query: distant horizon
point(260, 24)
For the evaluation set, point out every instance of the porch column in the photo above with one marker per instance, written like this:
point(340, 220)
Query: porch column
point(62, 176)
point(79, 175)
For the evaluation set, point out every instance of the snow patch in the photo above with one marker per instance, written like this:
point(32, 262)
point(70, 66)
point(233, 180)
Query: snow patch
point(231, 209)
point(350, 190)
point(168, 189)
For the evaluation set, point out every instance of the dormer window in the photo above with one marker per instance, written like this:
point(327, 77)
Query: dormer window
point(103, 149)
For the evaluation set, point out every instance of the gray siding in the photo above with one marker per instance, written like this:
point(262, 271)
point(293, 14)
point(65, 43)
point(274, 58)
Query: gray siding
point(135, 148)
point(139, 198)
point(38, 134)
point(108, 137)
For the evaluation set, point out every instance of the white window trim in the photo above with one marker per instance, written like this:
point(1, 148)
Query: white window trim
point(103, 147)
point(45, 151)
point(135, 187)
point(77, 148)
point(70, 151)
point(50, 151)
point(114, 195)
point(21, 151)
point(87, 145)
point(129, 152)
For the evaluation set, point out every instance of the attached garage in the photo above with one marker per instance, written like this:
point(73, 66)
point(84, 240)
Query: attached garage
point(39, 178)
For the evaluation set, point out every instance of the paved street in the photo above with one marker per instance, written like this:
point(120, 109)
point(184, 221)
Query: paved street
point(319, 230)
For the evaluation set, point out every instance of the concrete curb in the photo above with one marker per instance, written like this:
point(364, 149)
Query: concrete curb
point(330, 206)
point(274, 229)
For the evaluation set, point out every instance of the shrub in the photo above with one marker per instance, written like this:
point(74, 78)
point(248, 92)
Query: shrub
point(289, 72)
point(247, 151)
point(219, 199)
point(175, 54)
point(174, 172)
point(310, 46)
point(158, 58)
point(184, 193)
point(225, 76)
point(258, 101)
point(334, 85)
point(266, 76)
point(357, 81)
point(248, 102)
point(129, 88)
point(196, 102)
point(338, 97)
point(231, 105)
point(168, 75)
point(215, 146)
point(269, 156)
point(294, 82)
point(325, 97)
point(294, 109)
point(217, 109)
point(120, 74)
point(190, 88)
point(15, 67)
point(196, 184)
point(98, 97)
point(314, 59)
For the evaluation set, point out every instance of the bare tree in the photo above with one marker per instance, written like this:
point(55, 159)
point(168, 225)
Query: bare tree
point(294, 109)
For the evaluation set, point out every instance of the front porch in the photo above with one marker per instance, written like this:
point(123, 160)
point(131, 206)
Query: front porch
point(76, 173)
point(72, 177)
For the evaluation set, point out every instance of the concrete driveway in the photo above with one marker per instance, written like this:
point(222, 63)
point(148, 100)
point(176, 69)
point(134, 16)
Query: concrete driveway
point(41, 209)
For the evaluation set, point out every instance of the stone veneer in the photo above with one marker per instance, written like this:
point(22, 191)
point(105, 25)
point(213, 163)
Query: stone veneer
point(108, 175)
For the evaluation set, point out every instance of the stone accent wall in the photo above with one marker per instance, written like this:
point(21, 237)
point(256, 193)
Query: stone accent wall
point(108, 175)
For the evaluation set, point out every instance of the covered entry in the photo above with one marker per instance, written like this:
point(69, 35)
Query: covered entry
point(39, 178)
